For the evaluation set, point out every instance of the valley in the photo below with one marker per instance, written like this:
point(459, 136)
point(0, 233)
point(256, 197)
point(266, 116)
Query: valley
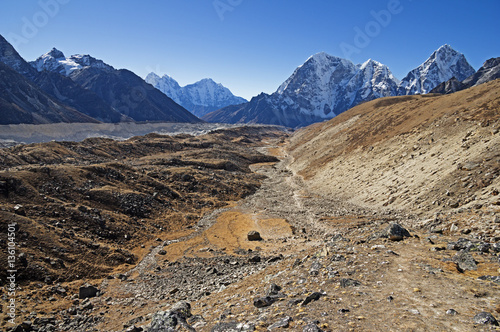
point(384, 218)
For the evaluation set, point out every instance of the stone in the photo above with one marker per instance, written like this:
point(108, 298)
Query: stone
point(254, 236)
point(495, 279)
point(87, 291)
point(284, 322)
point(451, 312)
point(311, 327)
point(273, 290)
point(162, 252)
point(232, 327)
point(165, 321)
point(313, 297)
point(262, 302)
point(347, 282)
point(133, 328)
point(393, 232)
point(465, 261)
point(255, 259)
point(485, 318)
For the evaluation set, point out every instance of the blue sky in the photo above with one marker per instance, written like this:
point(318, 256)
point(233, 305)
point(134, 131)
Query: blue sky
point(250, 46)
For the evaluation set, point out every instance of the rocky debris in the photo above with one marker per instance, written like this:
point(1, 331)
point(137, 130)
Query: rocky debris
point(495, 279)
point(254, 236)
point(451, 312)
point(485, 318)
point(465, 261)
point(233, 327)
point(133, 328)
point(87, 291)
point(469, 245)
point(347, 282)
point(311, 327)
point(282, 323)
point(168, 320)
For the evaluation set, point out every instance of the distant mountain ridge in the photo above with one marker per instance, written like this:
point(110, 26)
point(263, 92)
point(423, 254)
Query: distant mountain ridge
point(86, 88)
point(488, 72)
point(200, 98)
point(325, 86)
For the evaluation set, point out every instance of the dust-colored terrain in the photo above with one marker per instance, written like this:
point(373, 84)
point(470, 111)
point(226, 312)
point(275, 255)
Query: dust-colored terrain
point(329, 257)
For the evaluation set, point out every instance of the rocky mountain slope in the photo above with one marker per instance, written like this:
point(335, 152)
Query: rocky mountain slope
point(488, 72)
point(437, 153)
point(199, 98)
point(21, 101)
point(93, 88)
point(325, 86)
point(121, 89)
point(60, 88)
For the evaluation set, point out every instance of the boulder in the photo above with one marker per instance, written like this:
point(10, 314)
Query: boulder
point(254, 236)
point(485, 318)
point(164, 321)
point(87, 291)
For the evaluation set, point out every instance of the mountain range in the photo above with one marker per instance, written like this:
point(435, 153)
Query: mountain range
point(325, 86)
point(79, 89)
point(200, 98)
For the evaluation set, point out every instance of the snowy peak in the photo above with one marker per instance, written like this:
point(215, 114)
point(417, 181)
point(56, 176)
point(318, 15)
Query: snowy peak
point(200, 98)
point(55, 61)
point(327, 85)
point(55, 53)
point(442, 65)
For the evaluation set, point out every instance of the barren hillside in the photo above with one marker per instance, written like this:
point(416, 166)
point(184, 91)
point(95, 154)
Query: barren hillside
point(423, 154)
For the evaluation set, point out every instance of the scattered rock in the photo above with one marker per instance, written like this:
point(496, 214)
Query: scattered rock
point(232, 327)
point(133, 328)
point(495, 279)
point(485, 318)
point(254, 236)
point(451, 312)
point(274, 290)
point(346, 282)
point(313, 297)
point(265, 301)
point(311, 327)
point(465, 261)
point(255, 259)
point(284, 322)
point(167, 320)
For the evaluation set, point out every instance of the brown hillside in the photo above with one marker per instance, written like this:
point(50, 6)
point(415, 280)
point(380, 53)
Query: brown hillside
point(424, 153)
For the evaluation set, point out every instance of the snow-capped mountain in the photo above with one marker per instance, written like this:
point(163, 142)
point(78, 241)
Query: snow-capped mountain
point(325, 85)
point(55, 61)
point(121, 90)
point(200, 98)
point(321, 88)
point(441, 66)
point(317, 87)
